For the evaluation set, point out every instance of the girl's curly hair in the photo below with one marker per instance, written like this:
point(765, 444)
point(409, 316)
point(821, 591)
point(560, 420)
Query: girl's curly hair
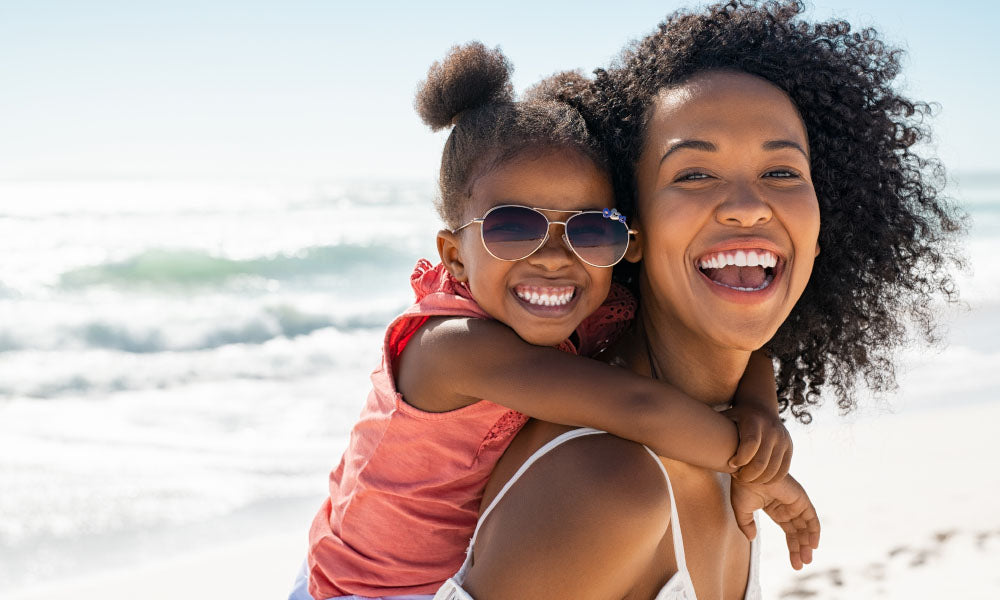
point(887, 233)
point(470, 91)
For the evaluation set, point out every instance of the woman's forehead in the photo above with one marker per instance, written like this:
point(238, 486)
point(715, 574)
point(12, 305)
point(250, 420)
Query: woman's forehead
point(712, 103)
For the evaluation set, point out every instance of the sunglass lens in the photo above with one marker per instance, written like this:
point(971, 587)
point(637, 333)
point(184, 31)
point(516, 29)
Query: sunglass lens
point(513, 232)
point(596, 239)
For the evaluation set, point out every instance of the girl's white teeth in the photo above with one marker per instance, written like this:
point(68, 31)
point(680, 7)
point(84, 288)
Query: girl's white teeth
point(547, 297)
point(739, 258)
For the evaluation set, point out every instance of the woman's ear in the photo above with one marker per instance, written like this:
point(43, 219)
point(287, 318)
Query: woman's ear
point(817, 249)
point(449, 249)
point(634, 252)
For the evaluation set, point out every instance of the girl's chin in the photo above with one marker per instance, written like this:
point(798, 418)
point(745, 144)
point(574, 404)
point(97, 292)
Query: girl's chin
point(538, 339)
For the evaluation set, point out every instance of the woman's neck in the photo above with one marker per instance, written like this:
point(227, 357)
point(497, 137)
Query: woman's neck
point(694, 365)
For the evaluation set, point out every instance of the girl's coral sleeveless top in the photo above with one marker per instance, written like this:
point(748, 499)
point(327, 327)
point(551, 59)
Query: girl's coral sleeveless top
point(404, 499)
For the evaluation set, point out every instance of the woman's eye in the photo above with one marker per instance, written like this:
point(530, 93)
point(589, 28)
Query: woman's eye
point(692, 177)
point(781, 174)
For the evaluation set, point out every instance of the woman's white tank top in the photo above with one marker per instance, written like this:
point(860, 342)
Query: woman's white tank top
point(678, 588)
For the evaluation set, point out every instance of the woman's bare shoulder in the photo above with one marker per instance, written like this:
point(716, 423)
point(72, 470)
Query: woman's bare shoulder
point(589, 513)
point(607, 470)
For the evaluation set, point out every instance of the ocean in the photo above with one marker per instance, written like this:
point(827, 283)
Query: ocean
point(181, 362)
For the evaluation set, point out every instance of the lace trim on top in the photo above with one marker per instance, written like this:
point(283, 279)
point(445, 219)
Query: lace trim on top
point(503, 430)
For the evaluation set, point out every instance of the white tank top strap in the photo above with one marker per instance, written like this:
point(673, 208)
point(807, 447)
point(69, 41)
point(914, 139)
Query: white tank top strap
point(449, 591)
point(678, 587)
point(452, 588)
point(548, 447)
point(675, 522)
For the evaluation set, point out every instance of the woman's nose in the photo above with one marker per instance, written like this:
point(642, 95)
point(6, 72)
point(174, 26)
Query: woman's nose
point(744, 208)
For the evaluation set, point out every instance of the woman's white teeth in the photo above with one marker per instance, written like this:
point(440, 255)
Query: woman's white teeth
point(739, 258)
point(767, 282)
point(556, 297)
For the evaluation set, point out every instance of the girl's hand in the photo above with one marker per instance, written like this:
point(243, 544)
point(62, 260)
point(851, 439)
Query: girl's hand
point(765, 451)
point(788, 505)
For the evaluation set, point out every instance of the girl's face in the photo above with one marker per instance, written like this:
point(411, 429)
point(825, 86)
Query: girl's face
point(727, 213)
point(545, 296)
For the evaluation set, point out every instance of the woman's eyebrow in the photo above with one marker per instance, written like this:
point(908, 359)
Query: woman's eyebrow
point(781, 144)
point(689, 145)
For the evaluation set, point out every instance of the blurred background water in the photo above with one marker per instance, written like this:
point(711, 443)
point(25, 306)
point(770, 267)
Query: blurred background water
point(175, 357)
point(177, 360)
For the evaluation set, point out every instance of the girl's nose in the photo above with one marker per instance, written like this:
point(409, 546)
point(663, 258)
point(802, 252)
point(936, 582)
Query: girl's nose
point(555, 253)
point(744, 208)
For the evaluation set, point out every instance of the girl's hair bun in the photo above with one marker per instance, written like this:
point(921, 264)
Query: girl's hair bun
point(558, 87)
point(470, 76)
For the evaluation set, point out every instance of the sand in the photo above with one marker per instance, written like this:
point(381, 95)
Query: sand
point(259, 568)
point(908, 504)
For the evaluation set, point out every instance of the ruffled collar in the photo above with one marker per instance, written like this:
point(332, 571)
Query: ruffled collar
point(430, 279)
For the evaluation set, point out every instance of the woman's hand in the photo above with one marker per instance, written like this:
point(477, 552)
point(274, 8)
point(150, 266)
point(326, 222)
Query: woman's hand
point(788, 505)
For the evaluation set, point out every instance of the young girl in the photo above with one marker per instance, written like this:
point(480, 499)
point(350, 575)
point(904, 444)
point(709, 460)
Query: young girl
point(526, 268)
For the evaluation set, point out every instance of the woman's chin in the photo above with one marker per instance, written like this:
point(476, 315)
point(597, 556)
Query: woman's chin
point(740, 332)
point(747, 339)
point(744, 319)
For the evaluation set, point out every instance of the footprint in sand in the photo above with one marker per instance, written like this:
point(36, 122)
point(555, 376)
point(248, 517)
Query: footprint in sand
point(874, 579)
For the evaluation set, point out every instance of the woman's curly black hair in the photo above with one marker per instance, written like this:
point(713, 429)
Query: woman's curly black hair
point(887, 233)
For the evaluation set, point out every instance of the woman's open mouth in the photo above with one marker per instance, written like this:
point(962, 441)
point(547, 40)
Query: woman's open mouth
point(744, 270)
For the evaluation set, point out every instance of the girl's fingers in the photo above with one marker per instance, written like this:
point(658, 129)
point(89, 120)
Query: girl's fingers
point(750, 531)
point(814, 532)
point(749, 444)
point(796, 560)
point(771, 469)
point(783, 467)
point(755, 468)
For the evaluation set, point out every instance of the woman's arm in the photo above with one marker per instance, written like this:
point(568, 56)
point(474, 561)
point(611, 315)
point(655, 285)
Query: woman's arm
point(450, 363)
point(581, 523)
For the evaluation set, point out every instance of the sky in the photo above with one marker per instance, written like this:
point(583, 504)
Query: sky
point(310, 90)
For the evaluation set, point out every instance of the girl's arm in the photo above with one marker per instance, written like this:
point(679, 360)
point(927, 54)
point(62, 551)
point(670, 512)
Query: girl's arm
point(765, 451)
point(451, 363)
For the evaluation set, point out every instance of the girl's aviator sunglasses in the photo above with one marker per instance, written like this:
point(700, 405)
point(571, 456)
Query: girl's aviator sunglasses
point(511, 232)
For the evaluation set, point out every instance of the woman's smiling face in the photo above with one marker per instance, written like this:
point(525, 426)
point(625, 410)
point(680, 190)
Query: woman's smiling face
point(727, 213)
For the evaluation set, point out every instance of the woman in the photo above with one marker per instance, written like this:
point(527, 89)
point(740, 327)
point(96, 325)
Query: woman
point(737, 130)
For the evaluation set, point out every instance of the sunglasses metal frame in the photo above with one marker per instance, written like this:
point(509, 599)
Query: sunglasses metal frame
point(610, 214)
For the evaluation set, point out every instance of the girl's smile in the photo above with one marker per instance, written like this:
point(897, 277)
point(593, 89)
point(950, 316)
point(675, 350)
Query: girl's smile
point(547, 296)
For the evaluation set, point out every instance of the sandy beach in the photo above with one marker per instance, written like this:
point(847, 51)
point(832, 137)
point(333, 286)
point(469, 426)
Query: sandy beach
point(906, 502)
point(907, 507)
